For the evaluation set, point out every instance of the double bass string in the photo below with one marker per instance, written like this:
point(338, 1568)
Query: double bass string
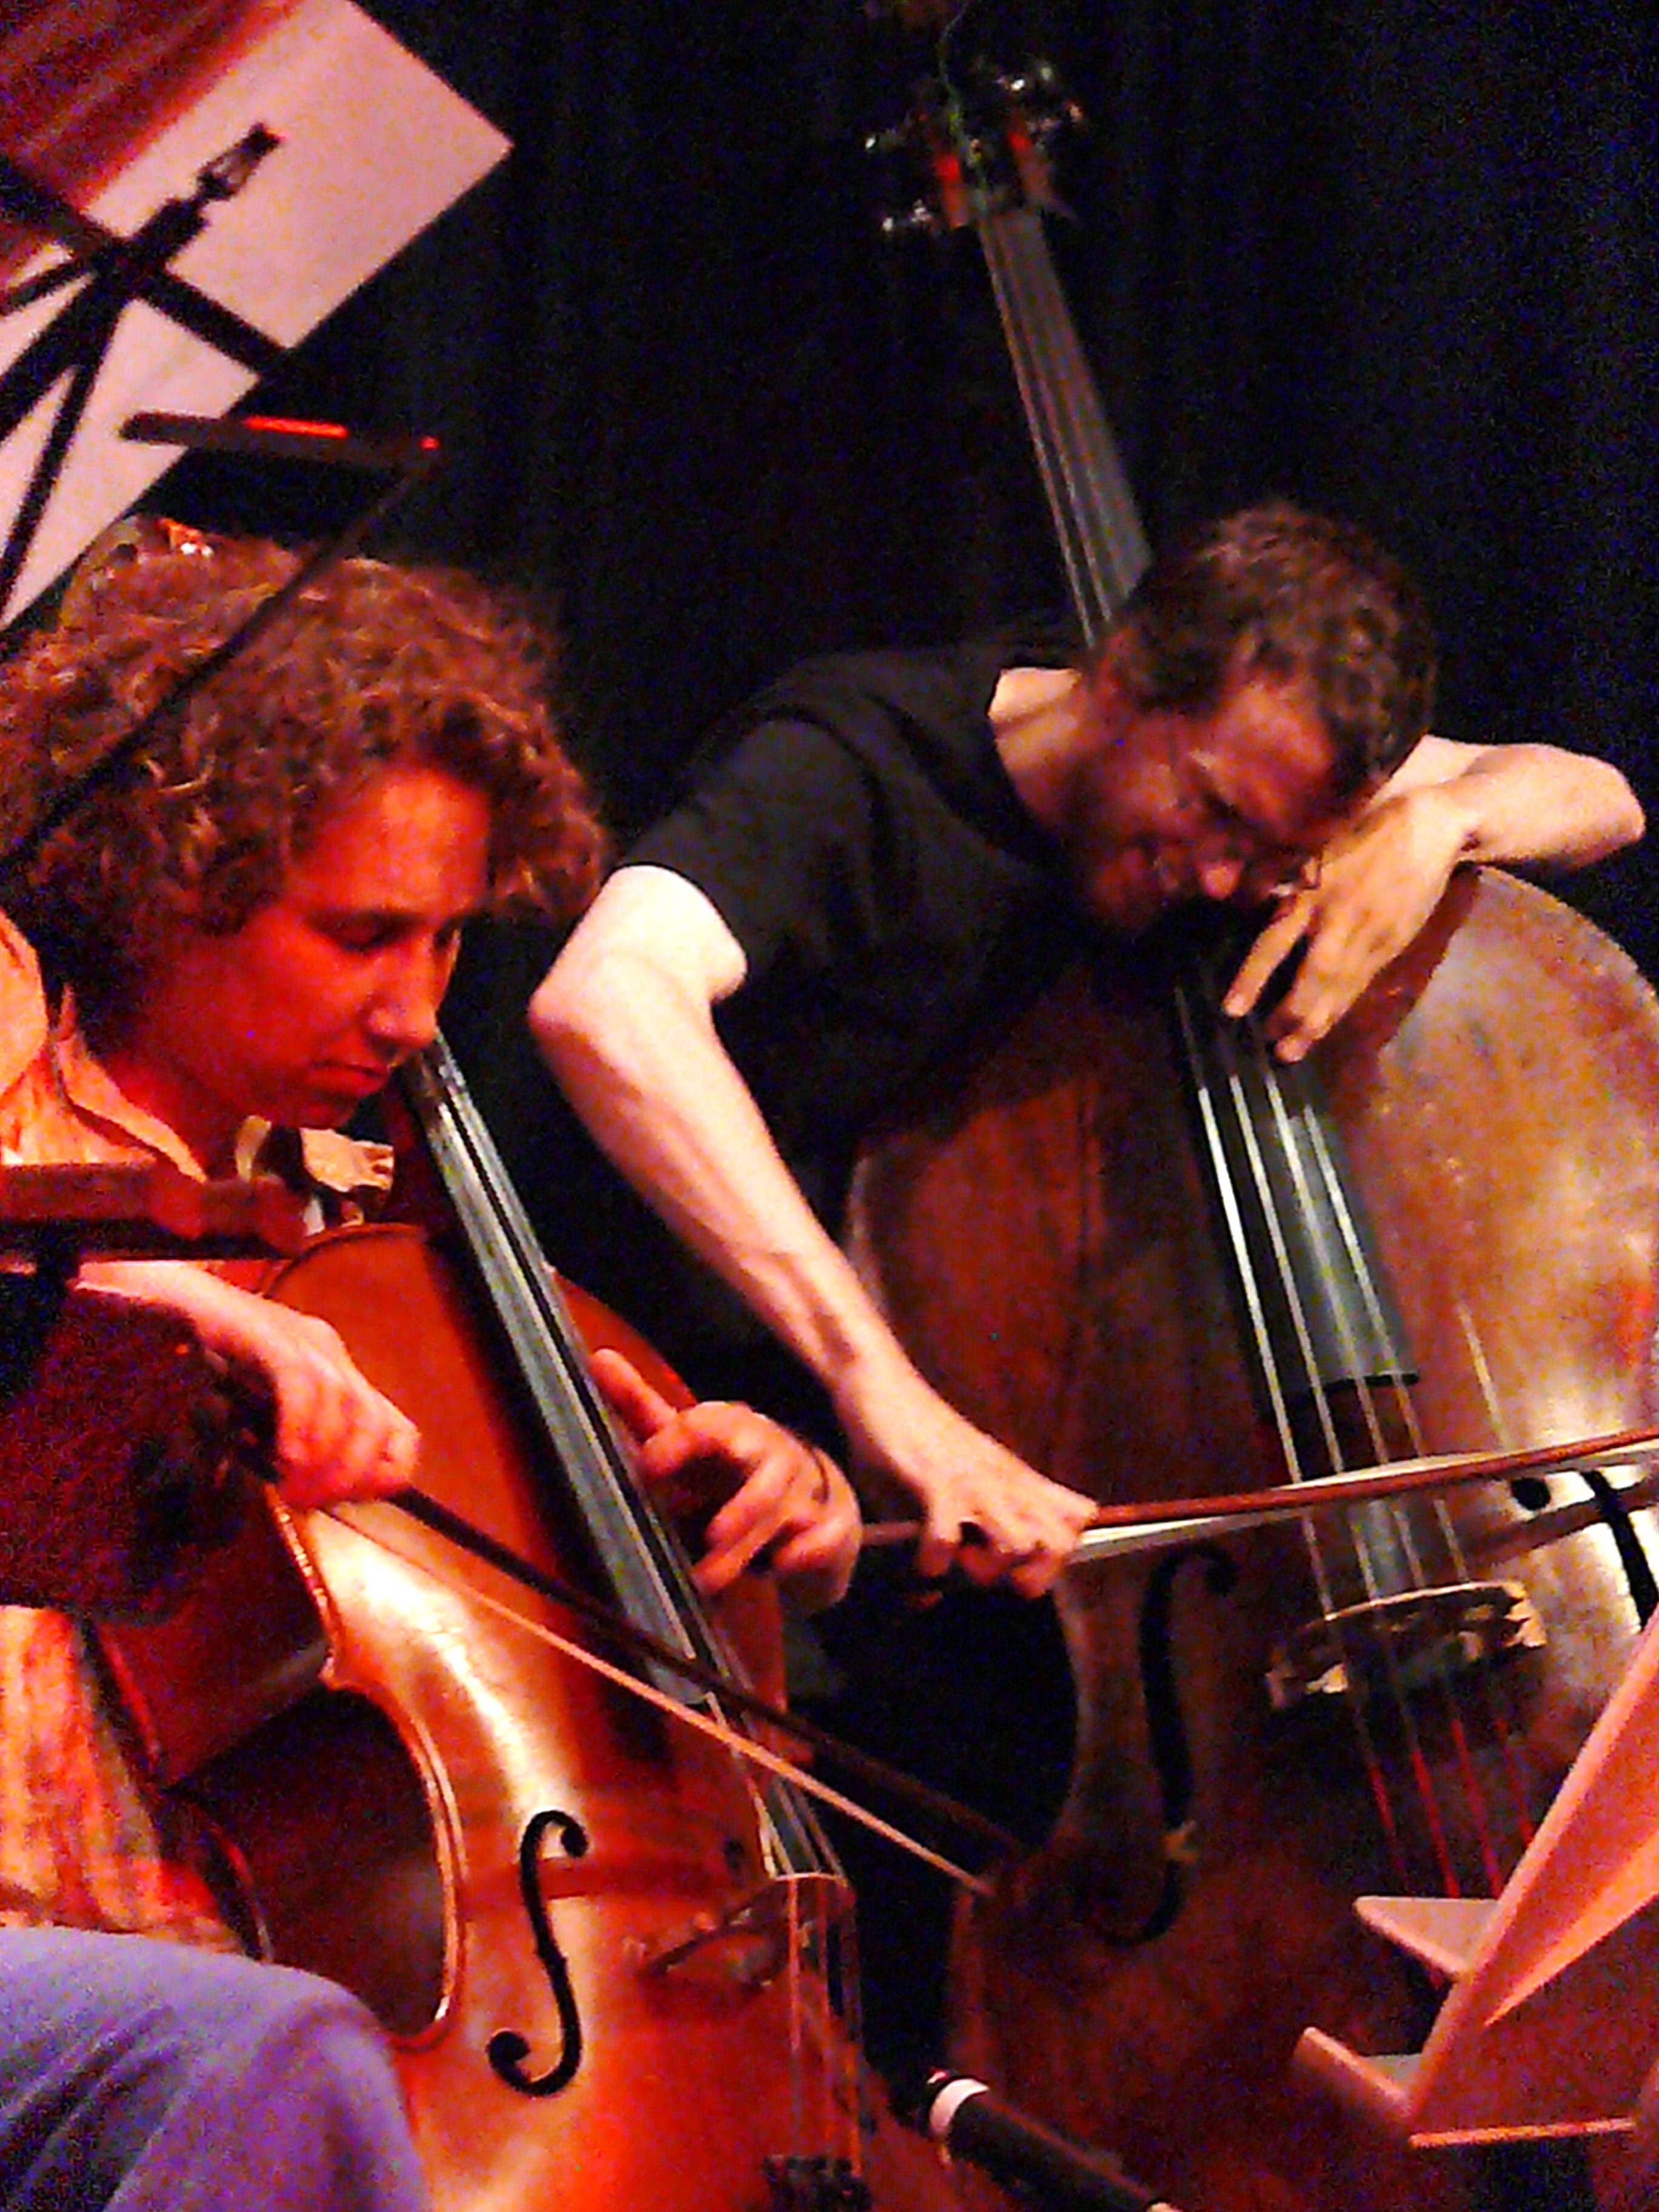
point(1103, 550)
point(1269, 1365)
point(1321, 1197)
point(1101, 540)
point(1269, 1368)
point(1101, 544)
point(1286, 1126)
point(1487, 1681)
point(1498, 1706)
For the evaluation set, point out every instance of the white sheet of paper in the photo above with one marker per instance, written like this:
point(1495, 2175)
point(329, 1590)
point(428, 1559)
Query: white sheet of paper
point(374, 148)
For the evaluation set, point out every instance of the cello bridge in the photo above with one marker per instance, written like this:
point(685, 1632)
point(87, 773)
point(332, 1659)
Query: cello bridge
point(747, 1944)
point(1401, 1644)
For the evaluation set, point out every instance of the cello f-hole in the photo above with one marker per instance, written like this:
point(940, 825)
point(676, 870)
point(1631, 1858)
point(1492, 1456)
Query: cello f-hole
point(508, 2049)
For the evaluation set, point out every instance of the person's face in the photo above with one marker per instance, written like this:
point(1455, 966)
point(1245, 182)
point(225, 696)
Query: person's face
point(306, 1010)
point(1228, 802)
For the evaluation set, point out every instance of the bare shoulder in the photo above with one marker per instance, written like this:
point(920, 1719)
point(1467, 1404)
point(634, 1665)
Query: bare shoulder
point(639, 901)
point(650, 916)
point(1022, 691)
point(1434, 760)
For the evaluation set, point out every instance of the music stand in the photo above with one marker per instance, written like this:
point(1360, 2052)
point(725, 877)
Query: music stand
point(235, 207)
point(1551, 2026)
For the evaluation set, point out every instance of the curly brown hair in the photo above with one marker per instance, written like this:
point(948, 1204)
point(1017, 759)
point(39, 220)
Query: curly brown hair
point(1278, 591)
point(369, 664)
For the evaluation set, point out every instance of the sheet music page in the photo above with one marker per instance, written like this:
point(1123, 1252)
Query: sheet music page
point(117, 109)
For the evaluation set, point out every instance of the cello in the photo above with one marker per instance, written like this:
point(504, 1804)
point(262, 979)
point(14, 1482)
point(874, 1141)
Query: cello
point(617, 1966)
point(1441, 1235)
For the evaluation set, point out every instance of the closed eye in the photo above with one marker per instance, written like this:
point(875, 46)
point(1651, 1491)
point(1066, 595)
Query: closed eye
point(366, 933)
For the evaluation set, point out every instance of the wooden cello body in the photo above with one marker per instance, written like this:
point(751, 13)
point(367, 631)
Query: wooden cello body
point(616, 1965)
point(1496, 1098)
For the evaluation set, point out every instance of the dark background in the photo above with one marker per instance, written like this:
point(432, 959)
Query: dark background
point(1393, 259)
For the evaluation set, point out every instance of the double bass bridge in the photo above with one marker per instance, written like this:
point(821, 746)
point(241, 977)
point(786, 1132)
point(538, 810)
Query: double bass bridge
point(1408, 1642)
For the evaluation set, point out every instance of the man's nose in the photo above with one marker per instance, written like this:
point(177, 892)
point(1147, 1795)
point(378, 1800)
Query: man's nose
point(1218, 875)
point(404, 1013)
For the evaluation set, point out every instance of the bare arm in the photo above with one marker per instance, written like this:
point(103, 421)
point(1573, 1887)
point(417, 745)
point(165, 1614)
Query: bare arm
point(1382, 877)
point(625, 1020)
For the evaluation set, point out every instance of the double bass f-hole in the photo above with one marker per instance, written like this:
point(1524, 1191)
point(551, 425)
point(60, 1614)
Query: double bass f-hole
point(1165, 1728)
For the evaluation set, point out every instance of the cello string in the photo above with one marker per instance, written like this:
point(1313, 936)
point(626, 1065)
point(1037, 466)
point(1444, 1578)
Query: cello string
point(650, 1571)
point(627, 1636)
point(810, 1952)
point(520, 1291)
point(651, 1575)
point(731, 1739)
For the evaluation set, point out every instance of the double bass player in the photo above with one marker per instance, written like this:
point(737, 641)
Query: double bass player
point(890, 853)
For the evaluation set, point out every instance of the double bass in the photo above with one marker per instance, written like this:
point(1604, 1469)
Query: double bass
point(1440, 1235)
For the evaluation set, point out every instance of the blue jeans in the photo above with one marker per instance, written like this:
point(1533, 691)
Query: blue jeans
point(145, 2076)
